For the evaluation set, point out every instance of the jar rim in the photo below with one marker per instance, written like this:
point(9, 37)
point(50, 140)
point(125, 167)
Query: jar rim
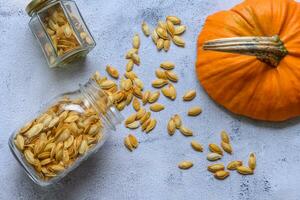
point(35, 5)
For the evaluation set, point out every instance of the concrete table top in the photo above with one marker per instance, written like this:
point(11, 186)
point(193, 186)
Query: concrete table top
point(151, 171)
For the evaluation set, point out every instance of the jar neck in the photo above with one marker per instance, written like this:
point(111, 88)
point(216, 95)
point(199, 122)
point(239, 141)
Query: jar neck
point(101, 103)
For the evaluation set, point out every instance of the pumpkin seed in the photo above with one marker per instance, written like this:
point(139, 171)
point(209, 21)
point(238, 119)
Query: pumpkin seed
point(234, 164)
point(171, 76)
point(128, 144)
point(175, 20)
point(145, 124)
point(137, 92)
point(244, 170)
point(197, 146)
point(160, 74)
point(215, 149)
point(83, 147)
point(178, 41)
point(133, 141)
point(130, 53)
point(46, 161)
point(226, 147)
point(130, 75)
point(19, 142)
point(157, 107)
point(138, 82)
point(56, 168)
point(26, 127)
point(129, 65)
point(133, 125)
point(177, 120)
point(154, 37)
point(167, 44)
point(194, 111)
point(171, 127)
point(113, 72)
point(136, 41)
point(158, 83)
point(136, 59)
point(136, 104)
point(189, 95)
point(145, 29)
point(151, 125)
point(154, 96)
point(166, 92)
point(145, 117)
point(63, 136)
point(215, 167)
point(140, 113)
point(185, 165)
point(29, 156)
point(34, 130)
point(145, 97)
point(221, 175)
point(107, 84)
point(170, 27)
point(225, 137)
point(213, 156)
point(167, 65)
point(160, 44)
point(252, 161)
point(185, 131)
point(162, 33)
point(179, 30)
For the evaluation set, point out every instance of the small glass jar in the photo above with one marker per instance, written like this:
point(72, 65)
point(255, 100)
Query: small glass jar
point(60, 30)
point(64, 133)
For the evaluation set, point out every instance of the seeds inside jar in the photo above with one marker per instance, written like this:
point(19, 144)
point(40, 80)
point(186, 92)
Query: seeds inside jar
point(58, 137)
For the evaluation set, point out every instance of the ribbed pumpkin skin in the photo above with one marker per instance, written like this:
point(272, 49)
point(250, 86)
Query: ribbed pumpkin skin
point(243, 84)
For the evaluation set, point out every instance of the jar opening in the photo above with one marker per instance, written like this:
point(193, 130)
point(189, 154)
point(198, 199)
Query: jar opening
point(36, 5)
point(100, 101)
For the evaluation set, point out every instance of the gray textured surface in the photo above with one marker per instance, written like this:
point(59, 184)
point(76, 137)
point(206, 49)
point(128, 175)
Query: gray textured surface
point(151, 171)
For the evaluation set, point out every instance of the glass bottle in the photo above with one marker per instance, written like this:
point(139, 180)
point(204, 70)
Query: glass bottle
point(67, 130)
point(60, 30)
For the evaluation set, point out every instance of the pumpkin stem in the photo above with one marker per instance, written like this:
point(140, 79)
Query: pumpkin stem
point(267, 49)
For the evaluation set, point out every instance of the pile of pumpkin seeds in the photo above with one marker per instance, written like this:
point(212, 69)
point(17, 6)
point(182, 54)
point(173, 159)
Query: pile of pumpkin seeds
point(131, 91)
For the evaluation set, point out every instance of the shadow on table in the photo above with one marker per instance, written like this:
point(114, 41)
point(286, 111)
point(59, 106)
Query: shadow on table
point(77, 182)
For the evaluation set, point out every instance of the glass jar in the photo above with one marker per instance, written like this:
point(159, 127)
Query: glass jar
point(64, 133)
point(60, 30)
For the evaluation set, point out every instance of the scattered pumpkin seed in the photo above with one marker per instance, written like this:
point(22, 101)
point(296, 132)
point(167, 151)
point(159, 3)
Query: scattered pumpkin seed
point(213, 156)
point(167, 65)
point(225, 137)
point(221, 175)
point(185, 165)
point(234, 164)
point(145, 29)
point(194, 111)
point(215, 149)
point(226, 147)
point(185, 131)
point(216, 167)
point(252, 161)
point(157, 107)
point(244, 170)
point(197, 146)
point(189, 95)
point(113, 72)
point(136, 41)
point(175, 20)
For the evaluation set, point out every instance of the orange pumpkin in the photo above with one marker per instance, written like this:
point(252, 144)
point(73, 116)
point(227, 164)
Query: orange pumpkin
point(248, 59)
